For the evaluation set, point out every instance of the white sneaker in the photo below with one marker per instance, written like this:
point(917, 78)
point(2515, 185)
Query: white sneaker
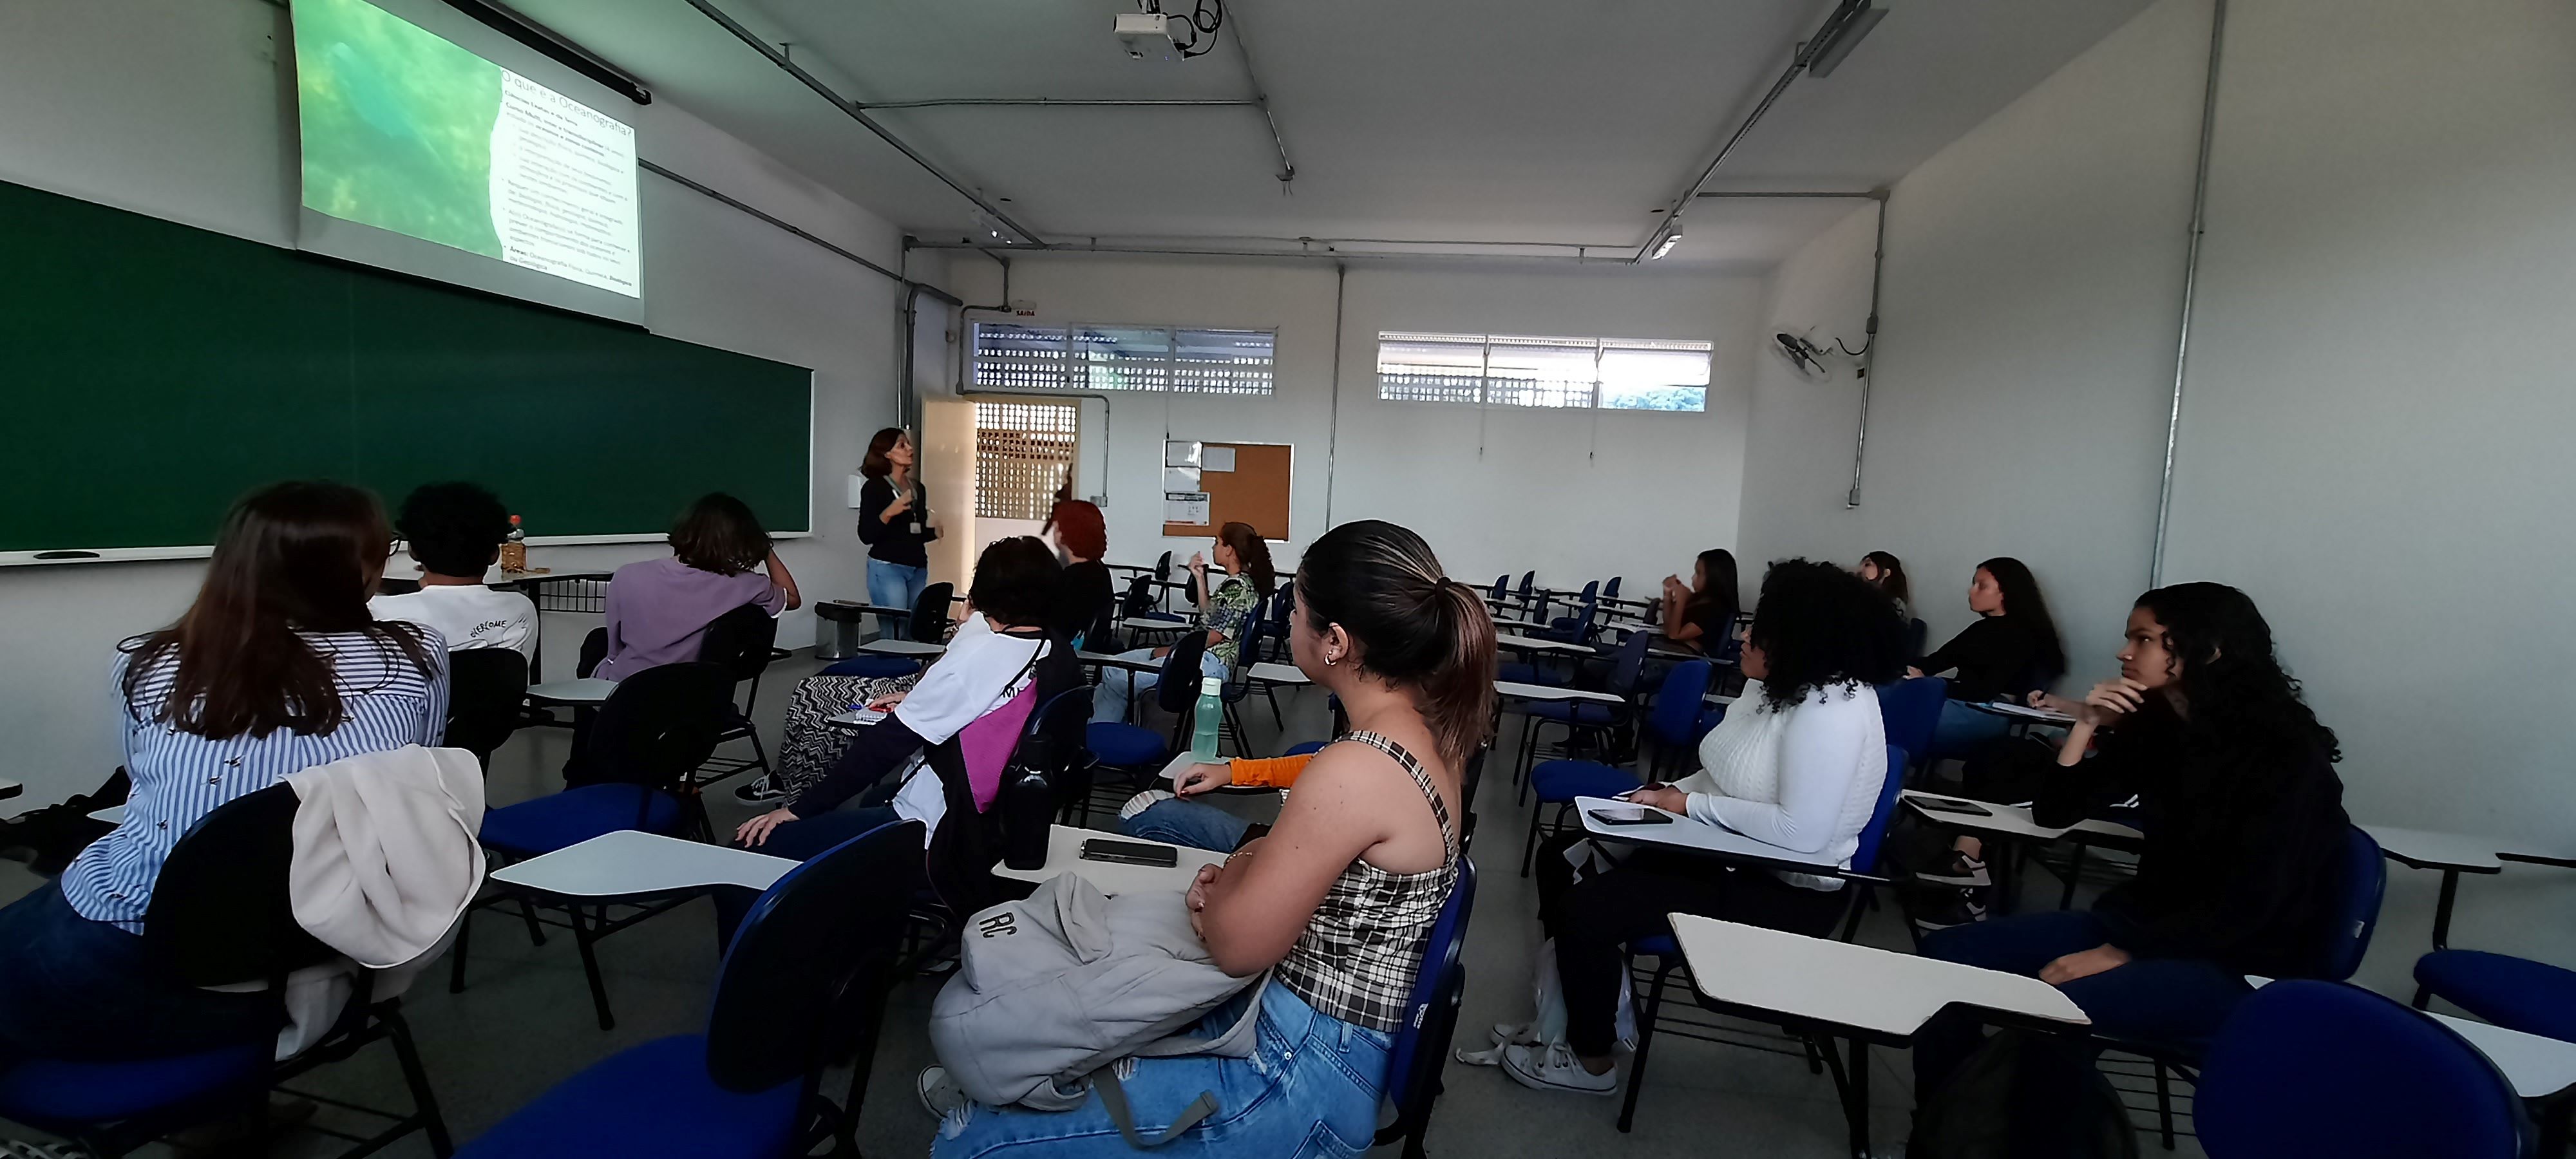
point(939, 1094)
point(1508, 1033)
point(1553, 1068)
point(1143, 801)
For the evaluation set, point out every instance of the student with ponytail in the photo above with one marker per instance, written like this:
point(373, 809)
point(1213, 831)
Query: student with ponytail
point(1339, 899)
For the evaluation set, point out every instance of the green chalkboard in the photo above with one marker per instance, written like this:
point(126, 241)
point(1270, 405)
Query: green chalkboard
point(151, 372)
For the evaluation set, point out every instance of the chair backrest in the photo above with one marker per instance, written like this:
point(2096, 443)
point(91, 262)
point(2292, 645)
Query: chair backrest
point(1178, 686)
point(1917, 635)
point(1610, 590)
point(484, 688)
point(1865, 857)
point(1053, 739)
point(220, 913)
point(929, 624)
point(1910, 709)
point(2356, 911)
point(390, 586)
point(806, 975)
point(1503, 586)
point(1163, 568)
point(1678, 703)
point(2325, 1068)
point(1422, 1044)
point(1138, 600)
point(1730, 649)
point(739, 642)
point(1627, 663)
point(660, 724)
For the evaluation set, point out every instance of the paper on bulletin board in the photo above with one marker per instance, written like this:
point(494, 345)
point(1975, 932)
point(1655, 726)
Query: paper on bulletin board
point(1178, 453)
point(1180, 479)
point(1186, 507)
point(1216, 459)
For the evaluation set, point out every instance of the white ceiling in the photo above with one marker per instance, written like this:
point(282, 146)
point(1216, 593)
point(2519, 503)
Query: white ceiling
point(1439, 121)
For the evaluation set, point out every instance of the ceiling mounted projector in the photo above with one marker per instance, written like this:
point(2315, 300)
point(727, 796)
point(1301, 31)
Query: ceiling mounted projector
point(1147, 34)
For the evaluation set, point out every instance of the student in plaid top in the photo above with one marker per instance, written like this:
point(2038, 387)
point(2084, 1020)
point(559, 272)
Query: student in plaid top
point(1339, 898)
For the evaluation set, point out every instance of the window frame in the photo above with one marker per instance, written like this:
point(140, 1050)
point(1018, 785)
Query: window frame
point(1079, 372)
point(1484, 379)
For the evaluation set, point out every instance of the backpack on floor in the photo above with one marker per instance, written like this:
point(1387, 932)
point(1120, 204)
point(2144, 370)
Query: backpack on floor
point(2025, 1095)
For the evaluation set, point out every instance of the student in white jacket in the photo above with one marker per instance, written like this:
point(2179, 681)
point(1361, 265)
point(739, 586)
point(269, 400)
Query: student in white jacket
point(1798, 763)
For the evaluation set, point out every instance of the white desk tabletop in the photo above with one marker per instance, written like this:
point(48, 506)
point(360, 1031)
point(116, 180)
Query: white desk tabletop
point(1551, 692)
point(631, 863)
point(113, 814)
point(1277, 673)
point(2437, 850)
point(854, 718)
point(1114, 661)
point(903, 648)
point(1695, 836)
point(1851, 985)
point(1064, 855)
point(493, 576)
point(585, 690)
point(2538, 1067)
point(1717, 698)
point(1509, 622)
point(1527, 644)
point(2021, 712)
point(2013, 820)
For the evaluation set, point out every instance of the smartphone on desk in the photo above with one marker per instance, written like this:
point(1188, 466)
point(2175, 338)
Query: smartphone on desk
point(1630, 815)
point(1131, 853)
point(1953, 805)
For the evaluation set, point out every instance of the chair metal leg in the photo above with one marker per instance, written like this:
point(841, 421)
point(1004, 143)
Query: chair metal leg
point(456, 954)
point(1815, 1061)
point(587, 940)
point(1856, 1108)
point(1645, 1041)
point(2074, 873)
point(424, 1101)
point(2164, 1106)
point(527, 913)
point(1529, 848)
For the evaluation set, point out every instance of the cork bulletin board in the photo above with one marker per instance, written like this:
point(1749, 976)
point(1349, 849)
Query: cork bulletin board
point(1207, 485)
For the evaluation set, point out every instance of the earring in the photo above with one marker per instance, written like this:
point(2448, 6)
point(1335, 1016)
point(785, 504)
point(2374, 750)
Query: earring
point(1330, 660)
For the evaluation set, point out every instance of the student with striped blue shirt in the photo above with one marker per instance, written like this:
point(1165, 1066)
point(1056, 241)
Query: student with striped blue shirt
point(276, 667)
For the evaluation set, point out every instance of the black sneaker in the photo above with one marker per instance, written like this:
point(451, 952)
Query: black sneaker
point(1967, 910)
point(760, 790)
point(1960, 870)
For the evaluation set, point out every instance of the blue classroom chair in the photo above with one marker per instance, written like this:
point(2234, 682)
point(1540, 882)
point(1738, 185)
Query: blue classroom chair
point(2326, 1068)
point(1421, 1048)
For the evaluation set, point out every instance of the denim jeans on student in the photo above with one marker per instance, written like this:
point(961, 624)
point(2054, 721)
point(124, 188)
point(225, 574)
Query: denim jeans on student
point(1120, 686)
point(2172, 1002)
point(1962, 730)
point(85, 991)
point(1311, 1088)
point(893, 585)
point(1189, 823)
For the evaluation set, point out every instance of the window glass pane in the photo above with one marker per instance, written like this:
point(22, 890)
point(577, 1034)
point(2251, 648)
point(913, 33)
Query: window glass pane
point(1121, 358)
point(1014, 357)
point(1650, 375)
point(1023, 452)
point(1541, 371)
point(1221, 361)
point(1430, 367)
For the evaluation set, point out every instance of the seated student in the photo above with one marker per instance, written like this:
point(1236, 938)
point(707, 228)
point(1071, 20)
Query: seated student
point(276, 667)
point(994, 655)
point(659, 609)
point(1798, 764)
point(1224, 610)
point(1887, 574)
point(1337, 902)
point(454, 530)
point(1700, 616)
point(1084, 592)
point(2011, 650)
point(2245, 831)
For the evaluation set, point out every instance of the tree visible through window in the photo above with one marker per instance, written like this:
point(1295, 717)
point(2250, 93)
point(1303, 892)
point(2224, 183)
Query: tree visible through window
point(1532, 371)
point(1023, 453)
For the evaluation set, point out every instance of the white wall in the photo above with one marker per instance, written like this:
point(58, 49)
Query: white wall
point(185, 111)
point(1572, 495)
point(2376, 407)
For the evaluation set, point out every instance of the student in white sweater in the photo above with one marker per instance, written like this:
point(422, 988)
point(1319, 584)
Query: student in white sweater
point(1798, 763)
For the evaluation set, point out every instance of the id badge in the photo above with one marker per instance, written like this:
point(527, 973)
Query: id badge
point(916, 527)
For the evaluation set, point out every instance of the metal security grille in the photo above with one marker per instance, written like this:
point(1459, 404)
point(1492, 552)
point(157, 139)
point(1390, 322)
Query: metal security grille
point(1023, 453)
point(1013, 356)
point(1526, 371)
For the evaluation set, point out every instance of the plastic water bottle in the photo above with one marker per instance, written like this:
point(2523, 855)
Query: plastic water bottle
point(1209, 716)
point(514, 548)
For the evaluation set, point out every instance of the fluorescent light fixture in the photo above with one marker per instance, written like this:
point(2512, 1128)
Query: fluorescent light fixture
point(1672, 238)
point(1844, 37)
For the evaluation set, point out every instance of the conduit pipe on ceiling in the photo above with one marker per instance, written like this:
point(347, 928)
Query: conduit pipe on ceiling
point(1869, 346)
point(2190, 287)
point(856, 113)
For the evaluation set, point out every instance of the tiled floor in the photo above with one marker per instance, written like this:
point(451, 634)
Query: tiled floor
point(525, 1022)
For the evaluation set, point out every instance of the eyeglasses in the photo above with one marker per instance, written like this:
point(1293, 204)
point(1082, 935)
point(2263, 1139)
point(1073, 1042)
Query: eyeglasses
point(394, 547)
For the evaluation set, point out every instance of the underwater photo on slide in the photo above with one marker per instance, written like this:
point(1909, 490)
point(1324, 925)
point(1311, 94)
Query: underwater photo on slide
point(397, 125)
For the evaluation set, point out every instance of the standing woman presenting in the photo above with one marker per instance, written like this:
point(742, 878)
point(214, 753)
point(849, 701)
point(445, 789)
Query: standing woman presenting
point(894, 521)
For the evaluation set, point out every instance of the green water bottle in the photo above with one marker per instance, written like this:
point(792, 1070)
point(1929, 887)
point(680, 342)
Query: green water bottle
point(1207, 719)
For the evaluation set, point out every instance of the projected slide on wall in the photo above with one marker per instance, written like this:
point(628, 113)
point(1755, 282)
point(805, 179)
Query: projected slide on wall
point(407, 133)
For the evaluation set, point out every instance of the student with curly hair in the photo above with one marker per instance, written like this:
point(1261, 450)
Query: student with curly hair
point(1798, 764)
point(2245, 832)
point(454, 531)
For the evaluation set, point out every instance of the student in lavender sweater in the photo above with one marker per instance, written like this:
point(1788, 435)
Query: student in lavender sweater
point(659, 609)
